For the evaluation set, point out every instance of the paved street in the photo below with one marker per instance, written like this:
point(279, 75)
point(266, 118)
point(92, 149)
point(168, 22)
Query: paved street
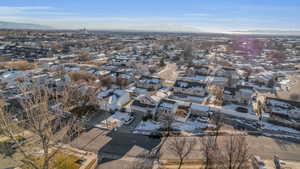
point(114, 146)
point(118, 149)
point(262, 146)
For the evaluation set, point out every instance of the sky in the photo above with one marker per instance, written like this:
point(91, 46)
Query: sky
point(156, 15)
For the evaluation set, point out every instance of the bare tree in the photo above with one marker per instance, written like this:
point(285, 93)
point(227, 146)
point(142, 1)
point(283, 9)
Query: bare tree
point(218, 92)
point(218, 121)
point(181, 147)
point(230, 153)
point(259, 108)
point(82, 77)
point(42, 121)
point(83, 55)
point(234, 153)
point(84, 95)
point(208, 149)
point(167, 118)
point(106, 81)
point(60, 72)
point(122, 82)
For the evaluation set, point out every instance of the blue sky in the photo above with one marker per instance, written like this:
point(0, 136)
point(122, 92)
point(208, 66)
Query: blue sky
point(172, 15)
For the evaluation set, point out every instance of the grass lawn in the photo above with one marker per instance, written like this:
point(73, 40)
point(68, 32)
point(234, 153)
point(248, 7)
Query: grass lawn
point(186, 163)
point(61, 161)
point(168, 83)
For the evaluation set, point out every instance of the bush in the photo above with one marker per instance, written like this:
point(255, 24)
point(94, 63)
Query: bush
point(81, 76)
point(84, 110)
point(83, 55)
point(2, 66)
point(106, 81)
point(21, 65)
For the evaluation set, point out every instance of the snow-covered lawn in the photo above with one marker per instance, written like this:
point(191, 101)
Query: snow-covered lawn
point(230, 110)
point(149, 125)
point(189, 125)
point(116, 120)
point(146, 127)
point(141, 91)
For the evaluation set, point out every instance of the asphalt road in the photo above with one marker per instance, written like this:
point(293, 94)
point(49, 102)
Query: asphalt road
point(262, 146)
point(112, 146)
point(117, 149)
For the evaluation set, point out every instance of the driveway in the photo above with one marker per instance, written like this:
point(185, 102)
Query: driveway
point(114, 147)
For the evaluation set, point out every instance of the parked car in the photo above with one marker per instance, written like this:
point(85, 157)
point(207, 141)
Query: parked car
point(242, 109)
point(130, 120)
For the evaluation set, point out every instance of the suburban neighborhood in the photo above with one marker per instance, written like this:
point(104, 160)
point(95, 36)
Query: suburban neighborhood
point(133, 99)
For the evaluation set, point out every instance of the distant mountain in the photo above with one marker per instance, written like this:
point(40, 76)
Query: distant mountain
point(269, 32)
point(14, 25)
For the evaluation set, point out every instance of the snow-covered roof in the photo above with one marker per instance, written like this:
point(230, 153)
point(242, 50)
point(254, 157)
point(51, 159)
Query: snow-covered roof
point(152, 80)
point(199, 107)
point(105, 93)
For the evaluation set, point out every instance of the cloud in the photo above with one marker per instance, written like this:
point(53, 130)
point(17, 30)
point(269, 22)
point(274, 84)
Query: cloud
point(194, 21)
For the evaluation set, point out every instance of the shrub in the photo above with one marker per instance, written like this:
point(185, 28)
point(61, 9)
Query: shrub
point(21, 65)
point(84, 110)
point(2, 66)
point(83, 55)
point(106, 81)
point(81, 76)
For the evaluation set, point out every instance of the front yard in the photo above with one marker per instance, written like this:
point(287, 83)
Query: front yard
point(114, 121)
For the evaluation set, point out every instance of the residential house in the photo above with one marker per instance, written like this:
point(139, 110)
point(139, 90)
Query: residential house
point(189, 88)
point(124, 77)
point(229, 94)
point(280, 108)
point(166, 106)
point(198, 109)
point(150, 83)
point(243, 94)
point(112, 100)
point(121, 61)
point(202, 70)
point(145, 104)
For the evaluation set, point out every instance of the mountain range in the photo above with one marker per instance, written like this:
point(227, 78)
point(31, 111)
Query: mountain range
point(14, 25)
